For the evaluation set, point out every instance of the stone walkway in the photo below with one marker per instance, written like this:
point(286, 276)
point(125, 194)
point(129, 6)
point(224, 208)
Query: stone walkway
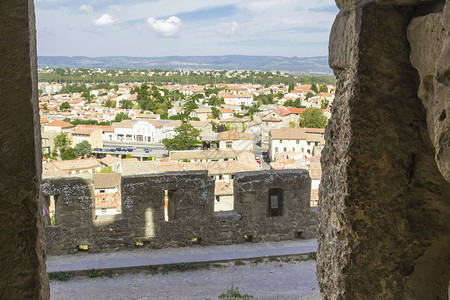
point(140, 258)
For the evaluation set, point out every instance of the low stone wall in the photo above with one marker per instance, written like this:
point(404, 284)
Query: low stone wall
point(192, 219)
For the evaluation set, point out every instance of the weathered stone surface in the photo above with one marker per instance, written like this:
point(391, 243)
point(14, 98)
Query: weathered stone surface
point(384, 214)
point(22, 250)
point(430, 55)
point(142, 217)
point(345, 3)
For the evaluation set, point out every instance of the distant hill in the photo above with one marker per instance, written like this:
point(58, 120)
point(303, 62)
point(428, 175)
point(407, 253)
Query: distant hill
point(312, 65)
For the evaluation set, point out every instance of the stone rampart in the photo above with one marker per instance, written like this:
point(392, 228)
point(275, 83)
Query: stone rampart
point(191, 217)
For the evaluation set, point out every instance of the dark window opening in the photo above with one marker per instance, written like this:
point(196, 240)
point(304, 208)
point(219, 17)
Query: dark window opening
point(275, 202)
point(299, 235)
point(248, 238)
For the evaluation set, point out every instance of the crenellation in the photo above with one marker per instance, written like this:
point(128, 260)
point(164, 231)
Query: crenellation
point(142, 220)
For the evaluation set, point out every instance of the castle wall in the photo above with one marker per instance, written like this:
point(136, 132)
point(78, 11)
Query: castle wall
point(191, 216)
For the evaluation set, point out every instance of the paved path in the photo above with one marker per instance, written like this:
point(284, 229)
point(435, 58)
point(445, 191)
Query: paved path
point(143, 257)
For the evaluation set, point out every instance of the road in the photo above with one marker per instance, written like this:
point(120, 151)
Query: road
point(157, 150)
point(259, 151)
point(265, 280)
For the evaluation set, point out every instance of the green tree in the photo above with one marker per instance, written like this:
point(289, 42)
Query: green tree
point(291, 87)
point(186, 138)
point(68, 154)
point(83, 149)
point(110, 104)
point(323, 88)
point(190, 105)
point(121, 116)
point(61, 142)
point(313, 118)
point(314, 87)
point(293, 103)
point(126, 104)
point(309, 95)
point(64, 105)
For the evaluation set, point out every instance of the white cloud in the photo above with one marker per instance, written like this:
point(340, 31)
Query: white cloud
point(165, 28)
point(104, 20)
point(86, 8)
point(228, 29)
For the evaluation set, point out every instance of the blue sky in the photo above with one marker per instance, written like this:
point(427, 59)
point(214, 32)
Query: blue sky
point(184, 27)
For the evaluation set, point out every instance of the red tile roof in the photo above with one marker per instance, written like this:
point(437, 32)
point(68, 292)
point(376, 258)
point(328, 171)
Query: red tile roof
point(59, 123)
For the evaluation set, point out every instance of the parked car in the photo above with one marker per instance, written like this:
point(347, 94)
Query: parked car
point(118, 149)
point(258, 159)
point(147, 150)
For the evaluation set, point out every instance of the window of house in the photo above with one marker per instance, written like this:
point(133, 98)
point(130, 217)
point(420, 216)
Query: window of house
point(293, 149)
point(308, 151)
point(297, 142)
point(232, 176)
point(284, 149)
point(276, 149)
point(229, 145)
point(275, 202)
point(169, 208)
point(309, 143)
point(281, 141)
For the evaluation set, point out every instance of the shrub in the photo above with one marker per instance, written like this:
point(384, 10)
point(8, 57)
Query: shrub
point(61, 276)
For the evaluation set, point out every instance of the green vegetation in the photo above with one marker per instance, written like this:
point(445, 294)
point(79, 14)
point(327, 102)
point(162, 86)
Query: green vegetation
point(61, 142)
point(178, 267)
point(89, 122)
point(64, 105)
point(106, 170)
point(239, 263)
point(313, 118)
point(121, 116)
point(60, 276)
point(294, 103)
point(68, 154)
point(83, 149)
point(77, 79)
point(233, 292)
point(93, 273)
point(186, 138)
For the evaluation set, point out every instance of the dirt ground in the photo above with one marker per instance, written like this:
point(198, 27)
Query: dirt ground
point(267, 279)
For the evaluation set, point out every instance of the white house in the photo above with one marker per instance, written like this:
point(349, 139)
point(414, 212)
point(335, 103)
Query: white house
point(234, 140)
point(296, 141)
point(149, 131)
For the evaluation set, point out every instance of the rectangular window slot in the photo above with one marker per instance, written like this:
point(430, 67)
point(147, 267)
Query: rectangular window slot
point(275, 202)
point(49, 210)
point(169, 208)
point(299, 235)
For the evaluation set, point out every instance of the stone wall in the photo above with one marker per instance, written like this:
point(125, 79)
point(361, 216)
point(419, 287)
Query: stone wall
point(192, 219)
point(22, 249)
point(384, 209)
